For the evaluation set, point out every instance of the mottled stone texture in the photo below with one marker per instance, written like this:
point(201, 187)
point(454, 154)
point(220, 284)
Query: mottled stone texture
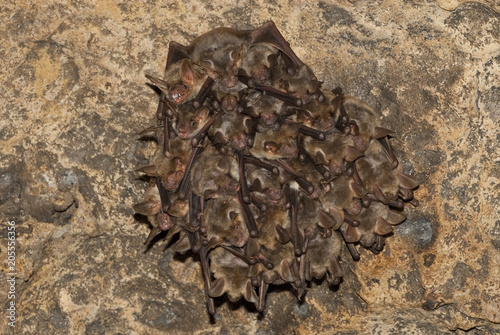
point(73, 95)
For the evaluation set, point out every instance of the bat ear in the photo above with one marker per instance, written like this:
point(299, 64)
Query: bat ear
point(236, 54)
point(249, 293)
point(161, 84)
point(395, 218)
point(352, 153)
point(294, 128)
point(382, 227)
point(218, 287)
point(252, 247)
point(149, 171)
point(201, 114)
point(305, 114)
point(179, 209)
point(351, 234)
point(407, 181)
point(186, 72)
point(147, 207)
point(233, 215)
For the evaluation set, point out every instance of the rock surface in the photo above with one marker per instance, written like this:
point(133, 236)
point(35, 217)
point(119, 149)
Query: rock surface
point(73, 95)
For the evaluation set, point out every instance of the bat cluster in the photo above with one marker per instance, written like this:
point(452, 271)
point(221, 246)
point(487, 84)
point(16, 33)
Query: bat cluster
point(260, 172)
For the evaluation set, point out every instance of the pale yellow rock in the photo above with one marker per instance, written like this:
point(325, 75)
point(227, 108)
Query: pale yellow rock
point(73, 95)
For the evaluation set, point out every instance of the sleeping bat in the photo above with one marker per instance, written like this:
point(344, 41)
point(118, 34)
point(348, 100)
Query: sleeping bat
point(305, 173)
point(333, 151)
point(230, 276)
point(233, 129)
point(257, 61)
point(172, 170)
point(219, 52)
point(364, 123)
point(189, 121)
point(152, 207)
point(226, 222)
point(372, 223)
point(151, 204)
point(263, 181)
point(277, 260)
point(274, 144)
point(227, 99)
point(221, 178)
point(160, 201)
point(182, 81)
point(341, 201)
point(322, 257)
point(375, 223)
point(378, 176)
point(303, 224)
point(299, 81)
point(317, 113)
point(266, 109)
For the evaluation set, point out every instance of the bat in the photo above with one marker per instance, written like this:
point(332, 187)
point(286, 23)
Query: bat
point(227, 225)
point(183, 81)
point(260, 172)
point(234, 130)
point(276, 144)
point(220, 51)
point(222, 178)
point(333, 151)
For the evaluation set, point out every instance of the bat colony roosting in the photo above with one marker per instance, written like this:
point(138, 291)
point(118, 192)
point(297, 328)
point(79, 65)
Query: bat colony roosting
point(260, 172)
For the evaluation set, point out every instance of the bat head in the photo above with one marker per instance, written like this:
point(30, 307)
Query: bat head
point(273, 144)
point(182, 81)
point(190, 121)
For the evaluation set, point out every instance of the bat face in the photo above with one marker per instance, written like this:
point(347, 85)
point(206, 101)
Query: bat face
point(276, 144)
point(263, 175)
point(219, 53)
point(318, 113)
point(233, 129)
point(299, 81)
point(189, 121)
point(331, 152)
point(257, 62)
point(171, 170)
point(263, 183)
point(182, 82)
point(265, 109)
point(218, 179)
point(227, 222)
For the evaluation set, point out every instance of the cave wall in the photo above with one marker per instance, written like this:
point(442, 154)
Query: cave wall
point(74, 95)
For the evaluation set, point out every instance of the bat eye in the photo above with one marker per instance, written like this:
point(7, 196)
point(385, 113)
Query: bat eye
point(193, 124)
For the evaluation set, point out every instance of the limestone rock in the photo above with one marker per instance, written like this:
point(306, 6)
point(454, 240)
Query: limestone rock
point(73, 96)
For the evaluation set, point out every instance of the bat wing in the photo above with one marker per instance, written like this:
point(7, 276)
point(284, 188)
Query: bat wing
point(176, 53)
point(268, 33)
